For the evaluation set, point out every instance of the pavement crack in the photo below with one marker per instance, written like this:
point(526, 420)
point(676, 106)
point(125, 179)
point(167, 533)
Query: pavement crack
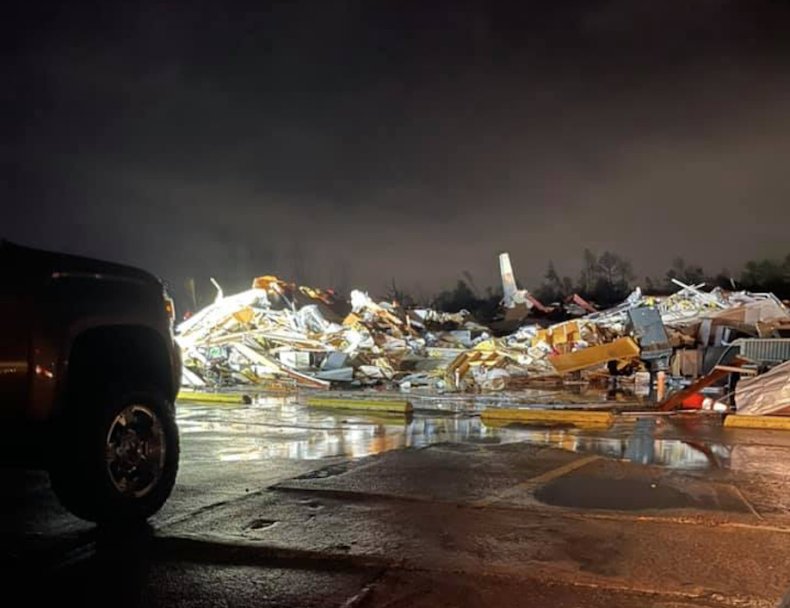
point(211, 549)
point(358, 600)
point(747, 502)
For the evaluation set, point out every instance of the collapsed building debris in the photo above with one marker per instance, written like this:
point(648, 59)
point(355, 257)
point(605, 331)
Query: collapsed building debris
point(766, 394)
point(277, 330)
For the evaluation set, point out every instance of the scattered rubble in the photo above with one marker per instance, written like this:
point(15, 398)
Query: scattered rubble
point(766, 394)
point(276, 331)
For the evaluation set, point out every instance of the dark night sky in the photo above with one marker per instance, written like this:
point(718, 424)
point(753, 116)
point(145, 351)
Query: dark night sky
point(360, 141)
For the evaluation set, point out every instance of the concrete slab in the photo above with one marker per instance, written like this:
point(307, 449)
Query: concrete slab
point(664, 557)
point(407, 511)
point(398, 589)
point(453, 524)
point(449, 472)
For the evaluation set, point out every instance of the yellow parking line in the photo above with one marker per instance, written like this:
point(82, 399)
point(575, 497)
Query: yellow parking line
point(564, 469)
point(538, 480)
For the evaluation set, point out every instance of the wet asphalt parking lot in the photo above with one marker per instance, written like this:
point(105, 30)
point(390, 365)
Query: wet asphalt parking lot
point(278, 504)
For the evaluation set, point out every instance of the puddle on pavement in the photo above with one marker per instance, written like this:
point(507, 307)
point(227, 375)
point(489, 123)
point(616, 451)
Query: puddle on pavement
point(279, 427)
point(594, 492)
point(582, 393)
point(639, 442)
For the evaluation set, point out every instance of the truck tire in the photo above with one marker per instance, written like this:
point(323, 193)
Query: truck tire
point(116, 455)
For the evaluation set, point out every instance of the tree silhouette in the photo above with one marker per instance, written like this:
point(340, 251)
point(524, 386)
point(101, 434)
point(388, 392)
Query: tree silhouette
point(605, 279)
point(688, 274)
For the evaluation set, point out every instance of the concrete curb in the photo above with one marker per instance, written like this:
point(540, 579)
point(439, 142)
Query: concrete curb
point(201, 397)
point(370, 405)
point(547, 417)
point(735, 421)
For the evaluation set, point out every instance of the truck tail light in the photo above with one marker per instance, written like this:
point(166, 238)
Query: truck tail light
point(170, 308)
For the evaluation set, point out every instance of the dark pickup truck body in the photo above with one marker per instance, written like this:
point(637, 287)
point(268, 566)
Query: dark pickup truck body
point(69, 322)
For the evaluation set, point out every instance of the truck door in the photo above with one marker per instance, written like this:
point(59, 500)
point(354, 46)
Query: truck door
point(14, 338)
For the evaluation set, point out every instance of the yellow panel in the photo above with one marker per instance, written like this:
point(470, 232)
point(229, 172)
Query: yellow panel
point(486, 345)
point(558, 336)
point(244, 315)
point(541, 336)
point(622, 348)
point(265, 282)
point(351, 320)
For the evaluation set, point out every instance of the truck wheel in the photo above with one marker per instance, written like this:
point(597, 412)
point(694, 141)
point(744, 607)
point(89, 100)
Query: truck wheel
point(116, 457)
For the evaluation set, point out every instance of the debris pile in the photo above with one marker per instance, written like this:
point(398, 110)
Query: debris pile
point(767, 394)
point(277, 330)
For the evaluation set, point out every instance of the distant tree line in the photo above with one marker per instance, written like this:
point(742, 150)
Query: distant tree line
point(464, 296)
point(606, 280)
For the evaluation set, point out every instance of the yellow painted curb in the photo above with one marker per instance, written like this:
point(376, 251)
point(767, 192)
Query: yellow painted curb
point(379, 417)
point(574, 417)
point(735, 421)
point(202, 397)
point(382, 405)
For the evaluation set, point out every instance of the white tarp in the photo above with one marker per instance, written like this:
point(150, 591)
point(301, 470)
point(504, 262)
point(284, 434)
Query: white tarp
point(766, 394)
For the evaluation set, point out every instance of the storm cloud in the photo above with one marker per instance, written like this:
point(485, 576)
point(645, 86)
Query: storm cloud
point(357, 142)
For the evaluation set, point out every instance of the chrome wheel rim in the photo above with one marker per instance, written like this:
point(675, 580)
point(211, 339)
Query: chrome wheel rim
point(135, 450)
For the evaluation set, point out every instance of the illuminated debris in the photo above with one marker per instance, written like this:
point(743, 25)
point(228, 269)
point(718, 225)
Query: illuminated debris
point(278, 330)
point(620, 349)
point(308, 336)
point(766, 394)
point(577, 306)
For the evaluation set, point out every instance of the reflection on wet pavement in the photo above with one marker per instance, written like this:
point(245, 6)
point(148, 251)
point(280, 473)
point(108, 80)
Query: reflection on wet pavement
point(639, 442)
point(280, 427)
point(567, 396)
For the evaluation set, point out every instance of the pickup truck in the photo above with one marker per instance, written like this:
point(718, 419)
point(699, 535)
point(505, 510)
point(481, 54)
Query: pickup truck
point(89, 371)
